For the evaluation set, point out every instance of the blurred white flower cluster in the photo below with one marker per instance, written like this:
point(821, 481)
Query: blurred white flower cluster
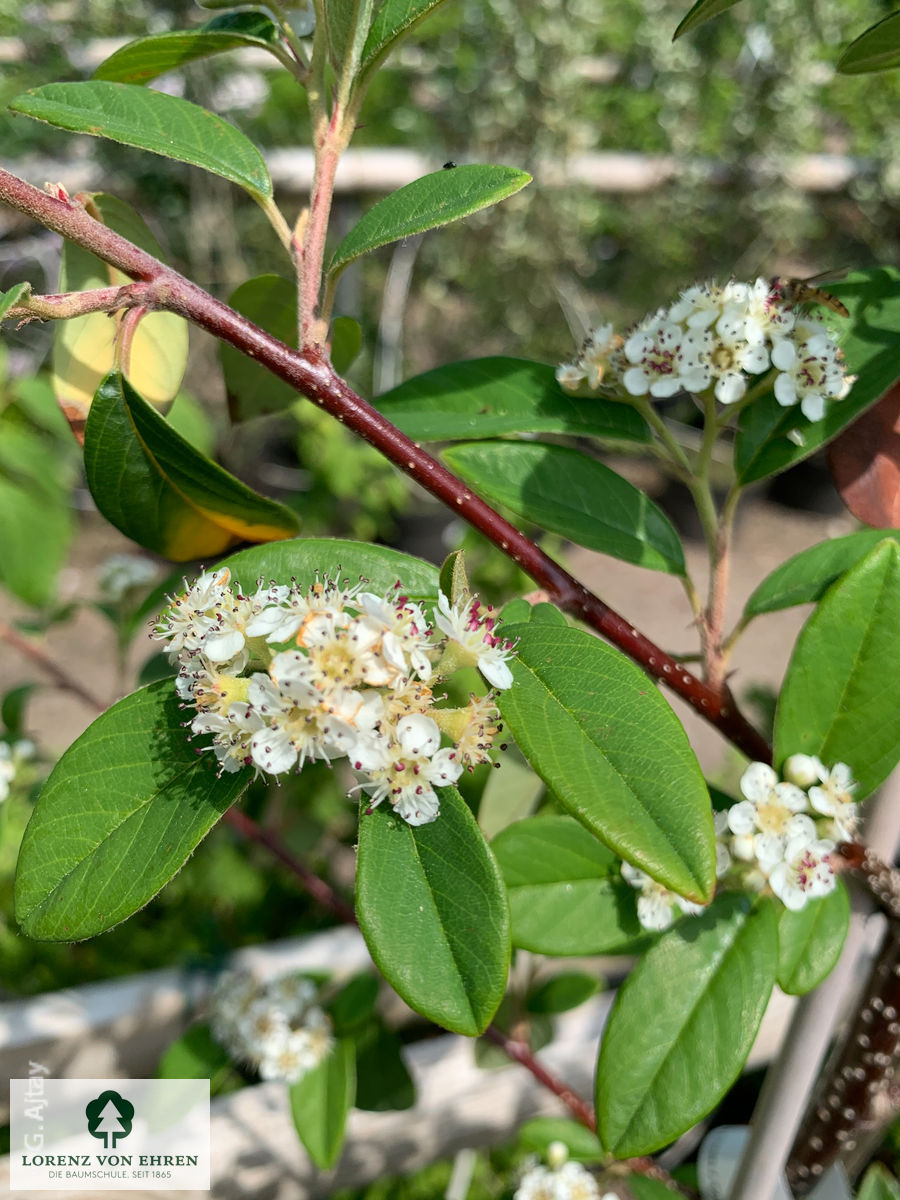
point(275, 1027)
point(561, 1180)
point(121, 573)
point(779, 836)
point(290, 675)
point(718, 336)
point(11, 758)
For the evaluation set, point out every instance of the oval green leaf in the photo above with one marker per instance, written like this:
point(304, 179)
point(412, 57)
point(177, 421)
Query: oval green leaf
point(393, 20)
point(122, 810)
point(146, 58)
point(841, 694)
point(879, 1184)
point(270, 301)
point(161, 492)
point(703, 10)
point(486, 397)
point(427, 203)
point(303, 558)
point(607, 744)
point(149, 120)
point(433, 911)
point(562, 992)
point(537, 1134)
point(878, 49)
point(810, 941)
point(566, 895)
point(320, 1102)
point(870, 340)
point(716, 972)
point(805, 578)
point(382, 1079)
point(566, 492)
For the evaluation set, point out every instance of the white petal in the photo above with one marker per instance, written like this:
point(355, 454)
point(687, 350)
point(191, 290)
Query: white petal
point(785, 391)
point(813, 406)
point(495, 671)
point(742, 818)
point(635, 381)
point(220, 647)
point(418, 735)
point(784, 355)
point(272, 750)
point(758, 781)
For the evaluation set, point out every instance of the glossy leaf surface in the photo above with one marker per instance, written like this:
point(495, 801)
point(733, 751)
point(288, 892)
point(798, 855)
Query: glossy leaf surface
point(878, 1184)
point(878, 49)
point(703, 10)
point(427, 203)
point(715, 972)
point(604, 740)
point(537, 1134)
point(433, 911)
point(870, 340)
point(806, 577)
point(157, 489)
point(147, 57)
point(841, 694)
point(394, 19)
point(154, 121)
point(122, 810)
point(810, 941)
point(302, 558)
point(566, 492)
point(486, 397)
point(566, 895)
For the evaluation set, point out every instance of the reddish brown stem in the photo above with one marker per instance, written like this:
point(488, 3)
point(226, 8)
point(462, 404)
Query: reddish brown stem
point(63, 680)
point(520, 1053)
point(312, 375)
point(322, 892)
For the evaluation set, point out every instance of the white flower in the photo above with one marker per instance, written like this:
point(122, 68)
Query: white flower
point(191, 616)
point(466, 627)
point(662, 364)
point(570, 376)
point(121, 572)
point(772, 813)
point(804, 874)
point(657, 907)
point(698, 307)
point(804, 770)
point(835, 799)
point(7, 769)
point(405, 765)
point(811, 369)
point(765, 315)
point(537, 1184)
point(731, 357)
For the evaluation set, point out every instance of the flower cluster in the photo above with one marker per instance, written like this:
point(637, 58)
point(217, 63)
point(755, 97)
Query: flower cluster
point(718, 336)
point(11, 758)
point(290, 675)
point(561, 1180)
point(275, 1027)
point(779, 836)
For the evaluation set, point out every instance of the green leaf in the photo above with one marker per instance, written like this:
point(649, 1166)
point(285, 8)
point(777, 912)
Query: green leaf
point(703, 10)
point(566, 895)
point(121, 812)
point(346, 341)
point(567, 492)
point(806, 577)
point(13, 707)
point(878, 49)
point(382, 1081)
point(607, 744)
point(154, 121)
point(427, 203)
point(354, 1003)
point(84, 348)
point(870, 340)
point(347, 26)
point(642, 1187)
point(11, 298)
point(454, 582)
point(393, 20)
point(841, 694)
point(145, 58)
point(301, 558)
point(715, 972)
point(433, 911)
point(486, 397)
point(810, 941)
point(537, 1134)
point(35, 532)
point(320, 1102)
point(271, 302)
point(878, 1184)
point(562, 992)
point(157, 489)
point(195, 1055)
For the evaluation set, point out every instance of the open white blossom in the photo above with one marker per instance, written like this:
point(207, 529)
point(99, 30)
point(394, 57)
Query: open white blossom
point(657, 906)
point(833, 797)
point(287, 676)
point(560, 1180)
point(772, 813)
point(719, 337)
point(804, 873)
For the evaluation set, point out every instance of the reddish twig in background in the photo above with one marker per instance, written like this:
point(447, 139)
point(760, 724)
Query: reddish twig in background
point(520, 1053)
point(63, 680)
point(312, 375)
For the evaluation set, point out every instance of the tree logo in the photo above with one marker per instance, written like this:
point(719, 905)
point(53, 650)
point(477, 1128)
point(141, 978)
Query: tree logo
point(109, 1117)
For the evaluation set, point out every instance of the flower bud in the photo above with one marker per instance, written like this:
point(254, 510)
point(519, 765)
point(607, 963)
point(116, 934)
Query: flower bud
point(803, 770)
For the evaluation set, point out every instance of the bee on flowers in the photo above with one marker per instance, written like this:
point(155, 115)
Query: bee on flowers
point(804, 291)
